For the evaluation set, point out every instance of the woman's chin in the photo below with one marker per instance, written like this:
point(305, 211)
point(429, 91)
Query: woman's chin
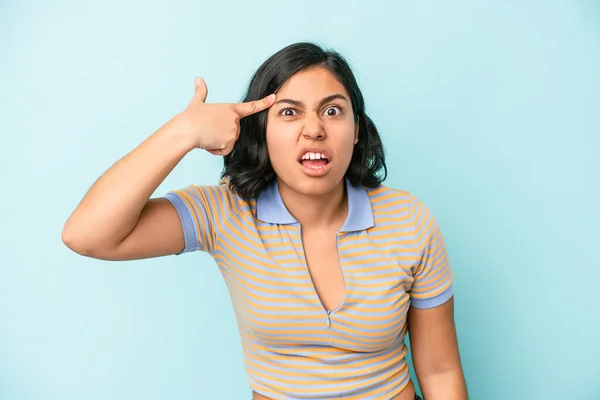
point(311, 185)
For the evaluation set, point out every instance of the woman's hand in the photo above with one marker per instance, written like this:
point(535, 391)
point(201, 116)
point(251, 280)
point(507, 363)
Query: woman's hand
point(216, 127)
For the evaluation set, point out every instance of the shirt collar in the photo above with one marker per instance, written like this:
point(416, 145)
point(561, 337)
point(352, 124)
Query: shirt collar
point(270, 208)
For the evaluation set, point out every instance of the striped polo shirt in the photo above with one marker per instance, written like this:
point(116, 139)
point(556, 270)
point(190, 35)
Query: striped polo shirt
point(392, 256)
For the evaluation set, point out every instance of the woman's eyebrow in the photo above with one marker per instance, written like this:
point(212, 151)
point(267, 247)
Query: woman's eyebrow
point(300, 104)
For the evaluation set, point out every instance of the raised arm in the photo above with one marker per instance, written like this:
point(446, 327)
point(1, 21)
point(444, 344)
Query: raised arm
point(117, 219)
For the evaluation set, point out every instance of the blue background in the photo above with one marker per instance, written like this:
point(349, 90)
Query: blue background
point(490, 114)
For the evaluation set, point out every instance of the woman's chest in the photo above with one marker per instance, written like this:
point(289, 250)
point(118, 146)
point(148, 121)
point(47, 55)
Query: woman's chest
point(344, 291)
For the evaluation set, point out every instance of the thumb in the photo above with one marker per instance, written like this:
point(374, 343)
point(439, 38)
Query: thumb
point(201, 89)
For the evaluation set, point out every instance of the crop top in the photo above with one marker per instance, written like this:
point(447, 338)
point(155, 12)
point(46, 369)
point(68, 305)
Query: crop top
point(392, 254)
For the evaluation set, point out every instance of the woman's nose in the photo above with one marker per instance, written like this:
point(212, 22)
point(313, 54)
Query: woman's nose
point(313, 129)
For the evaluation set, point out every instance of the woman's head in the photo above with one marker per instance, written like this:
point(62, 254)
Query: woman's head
point(319, 109)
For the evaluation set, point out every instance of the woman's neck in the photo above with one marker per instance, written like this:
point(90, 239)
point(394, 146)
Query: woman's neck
point(326, 210)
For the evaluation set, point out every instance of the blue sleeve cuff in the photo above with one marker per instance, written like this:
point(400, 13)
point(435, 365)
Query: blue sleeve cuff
point(187, 222)
point(434, 301)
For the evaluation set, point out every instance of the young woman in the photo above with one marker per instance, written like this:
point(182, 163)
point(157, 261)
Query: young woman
point(328, 270)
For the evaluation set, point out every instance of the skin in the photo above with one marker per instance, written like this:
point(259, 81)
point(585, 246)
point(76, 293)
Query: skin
point(117, 219)
point(435, 354)
point(300, 119)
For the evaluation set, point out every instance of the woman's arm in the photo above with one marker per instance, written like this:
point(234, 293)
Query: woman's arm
point(116, 220)
point(435, 353)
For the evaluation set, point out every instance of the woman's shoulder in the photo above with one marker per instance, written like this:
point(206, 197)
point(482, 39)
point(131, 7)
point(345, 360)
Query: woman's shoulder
point(214, 196)
point(385, 193)
point(395, 200)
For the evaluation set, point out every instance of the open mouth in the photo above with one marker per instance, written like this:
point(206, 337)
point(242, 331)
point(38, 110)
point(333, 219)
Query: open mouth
point(314, 160)
point(315, 163)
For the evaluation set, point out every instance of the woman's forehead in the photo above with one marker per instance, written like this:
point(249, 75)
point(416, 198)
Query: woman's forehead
point(312, 83)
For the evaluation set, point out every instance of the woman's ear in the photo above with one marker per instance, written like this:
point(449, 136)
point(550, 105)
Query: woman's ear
point(356, 130)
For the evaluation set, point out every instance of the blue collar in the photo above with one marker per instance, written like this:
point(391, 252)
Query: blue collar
point(270, 208)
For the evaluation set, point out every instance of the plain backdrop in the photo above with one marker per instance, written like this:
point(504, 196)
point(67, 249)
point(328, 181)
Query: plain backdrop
point(489, 112)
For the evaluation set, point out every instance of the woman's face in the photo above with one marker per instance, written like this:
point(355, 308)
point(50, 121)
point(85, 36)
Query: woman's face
point(311, 132)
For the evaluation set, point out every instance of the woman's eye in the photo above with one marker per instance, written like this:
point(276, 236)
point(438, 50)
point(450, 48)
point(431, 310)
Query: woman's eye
point(329, 112)
point(287, 112)
point(332, 111)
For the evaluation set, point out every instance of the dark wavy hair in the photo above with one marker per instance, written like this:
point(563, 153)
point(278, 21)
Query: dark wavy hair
point(247, 166)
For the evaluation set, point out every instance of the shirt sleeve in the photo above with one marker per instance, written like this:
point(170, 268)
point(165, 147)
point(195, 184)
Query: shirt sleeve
point(194, 205)
point(433, 276)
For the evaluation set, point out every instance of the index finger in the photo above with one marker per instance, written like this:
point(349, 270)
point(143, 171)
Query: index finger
point(252, 107)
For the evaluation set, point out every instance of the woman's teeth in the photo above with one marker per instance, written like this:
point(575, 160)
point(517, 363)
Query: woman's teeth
point(313, 156)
